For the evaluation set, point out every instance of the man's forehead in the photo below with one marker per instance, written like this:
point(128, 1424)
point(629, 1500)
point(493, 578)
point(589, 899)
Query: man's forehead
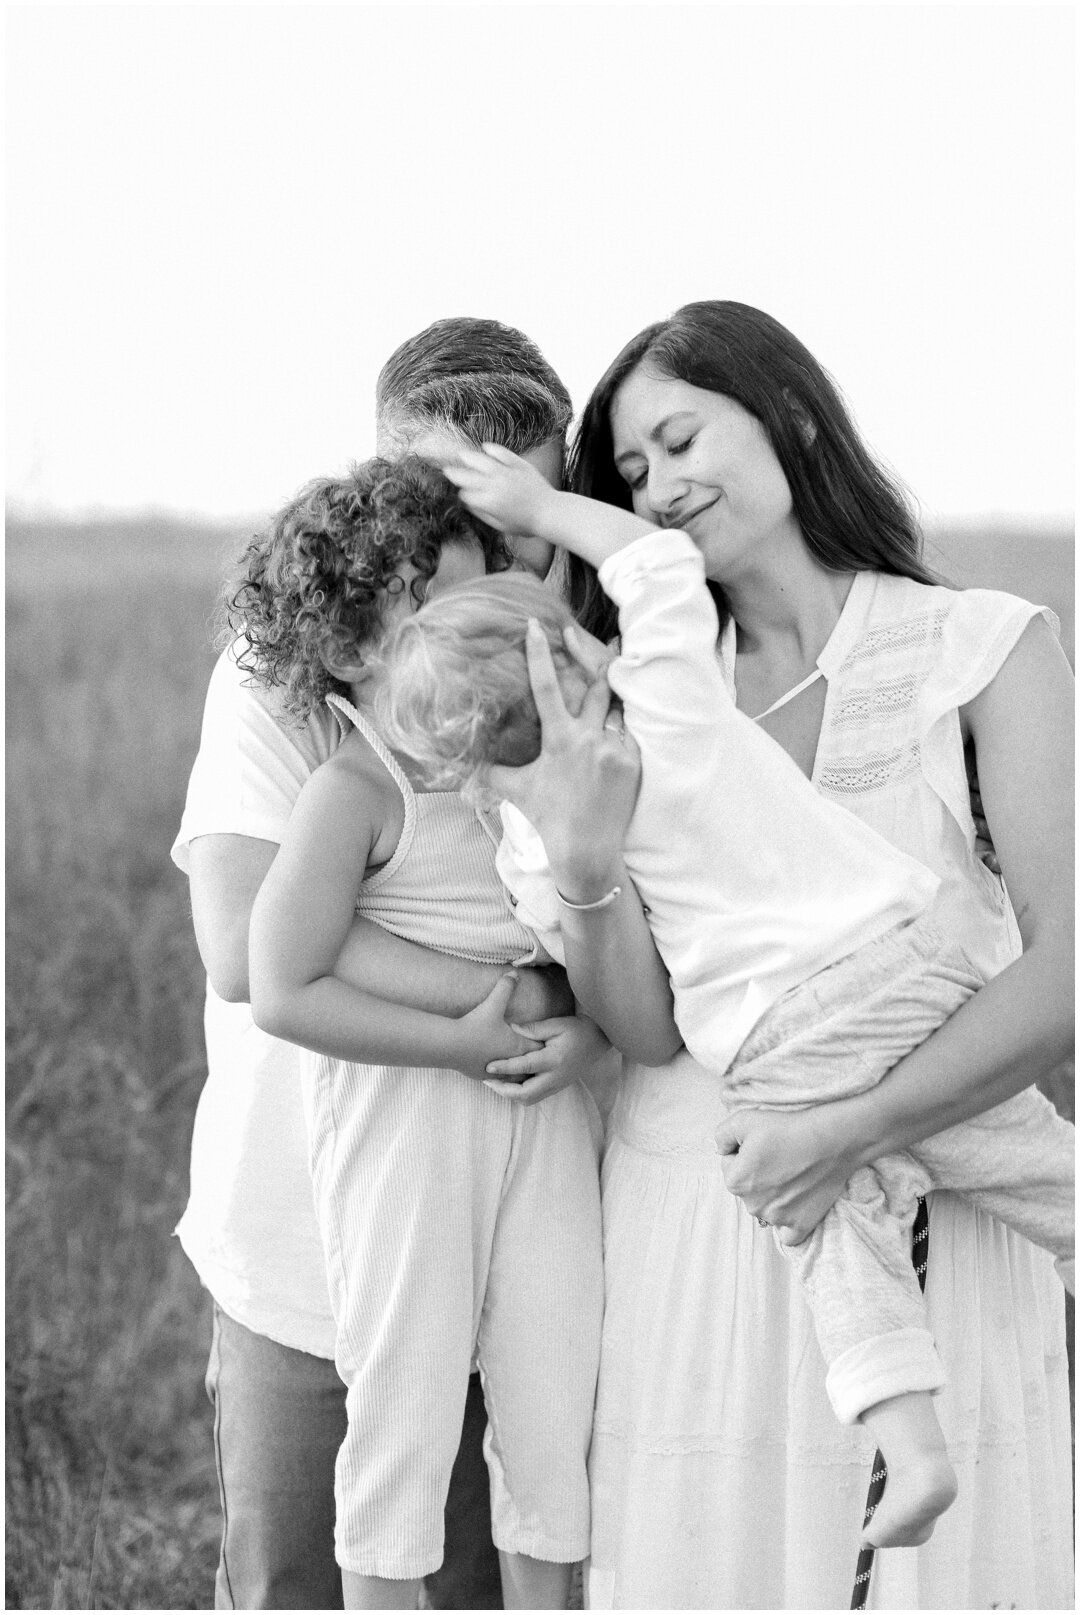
point(435, 444)
point(440, 445)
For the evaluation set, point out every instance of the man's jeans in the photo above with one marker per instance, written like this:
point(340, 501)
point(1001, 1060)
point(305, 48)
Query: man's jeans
point(279, 1418)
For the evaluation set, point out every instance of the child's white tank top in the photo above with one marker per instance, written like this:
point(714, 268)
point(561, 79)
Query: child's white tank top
point(441, 888)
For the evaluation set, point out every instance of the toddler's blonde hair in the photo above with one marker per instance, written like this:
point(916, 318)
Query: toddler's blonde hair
point(453, 684)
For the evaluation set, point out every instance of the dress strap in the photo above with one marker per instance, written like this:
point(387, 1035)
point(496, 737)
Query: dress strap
point(791, 694)
point(374, 740)
point(393, 767)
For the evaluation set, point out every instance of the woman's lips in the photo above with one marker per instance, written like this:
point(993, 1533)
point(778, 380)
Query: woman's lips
point(686, 518)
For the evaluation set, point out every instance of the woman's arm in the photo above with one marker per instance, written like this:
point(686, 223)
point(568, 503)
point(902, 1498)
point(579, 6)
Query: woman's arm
point(299, 923)
point(790, 1168)
point(579, 795)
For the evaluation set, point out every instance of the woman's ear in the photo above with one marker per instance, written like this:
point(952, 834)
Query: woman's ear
point(801, 416)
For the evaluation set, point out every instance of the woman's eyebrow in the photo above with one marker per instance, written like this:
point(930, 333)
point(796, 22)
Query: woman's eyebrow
point(654, 435)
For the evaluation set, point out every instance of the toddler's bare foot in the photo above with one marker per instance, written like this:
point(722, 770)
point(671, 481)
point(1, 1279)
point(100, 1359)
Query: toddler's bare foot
point(921, 1483)
point(916, 1492)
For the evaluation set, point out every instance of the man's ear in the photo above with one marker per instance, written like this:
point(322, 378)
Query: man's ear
point(801, 416)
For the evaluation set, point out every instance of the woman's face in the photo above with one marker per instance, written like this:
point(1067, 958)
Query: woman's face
point(697, 460)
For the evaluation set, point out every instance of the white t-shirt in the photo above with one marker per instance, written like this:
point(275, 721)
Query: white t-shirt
point(754, 881)
point(249, 1228)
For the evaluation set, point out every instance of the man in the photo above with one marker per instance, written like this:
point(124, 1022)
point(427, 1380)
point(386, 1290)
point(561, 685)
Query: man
point(249, 1227)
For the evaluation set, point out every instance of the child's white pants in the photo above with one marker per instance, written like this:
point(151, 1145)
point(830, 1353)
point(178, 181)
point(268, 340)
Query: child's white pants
point(455, 1221)
point(838, 1034)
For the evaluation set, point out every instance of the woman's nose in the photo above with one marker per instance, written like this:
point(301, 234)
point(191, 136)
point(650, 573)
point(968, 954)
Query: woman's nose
point(664, 492)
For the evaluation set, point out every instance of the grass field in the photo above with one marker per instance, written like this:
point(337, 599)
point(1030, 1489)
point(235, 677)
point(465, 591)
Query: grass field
point(111, 1493)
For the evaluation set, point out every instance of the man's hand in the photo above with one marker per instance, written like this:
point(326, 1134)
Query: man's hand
point(502, 489)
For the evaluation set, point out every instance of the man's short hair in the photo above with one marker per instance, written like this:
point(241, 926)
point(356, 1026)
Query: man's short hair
point(478, 379)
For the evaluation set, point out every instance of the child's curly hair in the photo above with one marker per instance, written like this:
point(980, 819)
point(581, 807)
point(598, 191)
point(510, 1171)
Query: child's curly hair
point(453, 687)
point(311, 587)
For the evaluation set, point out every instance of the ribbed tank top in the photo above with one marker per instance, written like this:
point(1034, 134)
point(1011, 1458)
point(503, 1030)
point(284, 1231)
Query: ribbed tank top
point(440, 888)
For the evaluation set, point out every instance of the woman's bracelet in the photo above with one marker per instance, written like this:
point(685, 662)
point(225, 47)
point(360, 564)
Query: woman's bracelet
point(583, 908)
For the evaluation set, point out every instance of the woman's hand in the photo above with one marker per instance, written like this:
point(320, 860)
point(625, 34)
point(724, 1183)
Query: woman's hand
point(985, 850)
point(502, 489)
point(787, 1167)
point(569, 1049)
point(580, 792)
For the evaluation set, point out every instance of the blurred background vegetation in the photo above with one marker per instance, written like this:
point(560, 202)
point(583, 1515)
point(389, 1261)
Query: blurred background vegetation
point(111, 1490)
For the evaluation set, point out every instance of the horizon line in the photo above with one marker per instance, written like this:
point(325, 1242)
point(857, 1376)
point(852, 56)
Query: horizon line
point(40, 513)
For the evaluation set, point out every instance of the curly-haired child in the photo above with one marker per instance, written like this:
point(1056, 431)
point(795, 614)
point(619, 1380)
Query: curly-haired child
point(453, 1221)
point(804, 959)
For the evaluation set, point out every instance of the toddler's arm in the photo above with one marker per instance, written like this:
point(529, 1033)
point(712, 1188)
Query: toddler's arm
point(299, 923)
point(667, 674)
point(511, 494)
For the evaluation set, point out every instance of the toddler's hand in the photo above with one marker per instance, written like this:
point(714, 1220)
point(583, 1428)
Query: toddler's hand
point(570, 1049)
point(501, 488)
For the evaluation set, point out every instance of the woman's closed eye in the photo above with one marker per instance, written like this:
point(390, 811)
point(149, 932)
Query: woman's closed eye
point(636, 479)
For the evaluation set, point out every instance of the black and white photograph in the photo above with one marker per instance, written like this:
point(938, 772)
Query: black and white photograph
point(540, 634)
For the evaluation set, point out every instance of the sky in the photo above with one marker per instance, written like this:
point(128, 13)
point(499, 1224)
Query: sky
point(223, 218)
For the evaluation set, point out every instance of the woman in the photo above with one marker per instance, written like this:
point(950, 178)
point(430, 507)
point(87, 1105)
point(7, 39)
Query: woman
point(720, 1477)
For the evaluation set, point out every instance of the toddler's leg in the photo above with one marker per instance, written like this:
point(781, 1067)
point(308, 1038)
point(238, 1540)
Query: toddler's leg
point(862, 1289)
point(868, 1311)
point(921, 1483)
point(1016, 1161)
point(539, 1348)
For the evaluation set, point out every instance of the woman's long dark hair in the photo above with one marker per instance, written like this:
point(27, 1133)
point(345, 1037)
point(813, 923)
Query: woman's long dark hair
point(853, 515)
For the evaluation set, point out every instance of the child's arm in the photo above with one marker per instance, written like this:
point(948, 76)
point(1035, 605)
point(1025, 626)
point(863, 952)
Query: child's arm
point(300, 920)
point(377, 961)
point(226, 872)
point(667, 674)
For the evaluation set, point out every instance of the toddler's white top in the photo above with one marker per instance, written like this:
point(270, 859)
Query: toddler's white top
point(754, 882)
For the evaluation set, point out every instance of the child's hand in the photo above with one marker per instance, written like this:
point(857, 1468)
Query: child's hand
point(483, 1034)
point(502, 489)
point(569, 1049)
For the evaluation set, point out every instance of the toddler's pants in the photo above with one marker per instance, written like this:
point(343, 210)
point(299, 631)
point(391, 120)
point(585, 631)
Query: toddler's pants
point(453, 1222)
point(838, 1034)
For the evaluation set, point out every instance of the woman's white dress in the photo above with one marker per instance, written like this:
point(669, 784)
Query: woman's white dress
point(720, 1477)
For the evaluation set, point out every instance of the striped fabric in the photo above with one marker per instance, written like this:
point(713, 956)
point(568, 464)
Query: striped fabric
point(879, 1474)
point(440, 887)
